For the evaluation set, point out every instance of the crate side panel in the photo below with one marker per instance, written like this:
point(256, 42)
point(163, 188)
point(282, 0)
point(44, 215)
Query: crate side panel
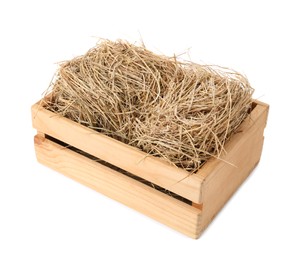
point(224, 179)
point(117, 153)
point(161, 207)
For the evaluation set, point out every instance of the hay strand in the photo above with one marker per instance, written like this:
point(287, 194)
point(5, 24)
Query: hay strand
point(180, 111)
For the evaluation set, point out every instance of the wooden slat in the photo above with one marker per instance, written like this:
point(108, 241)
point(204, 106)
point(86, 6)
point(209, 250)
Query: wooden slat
point(221, 180)
point(159, 206)
point(117, 153)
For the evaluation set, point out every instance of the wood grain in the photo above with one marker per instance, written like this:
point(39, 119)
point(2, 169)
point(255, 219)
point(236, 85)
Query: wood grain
point(159, 206)
point(117, 153)
point(221, 179)
point(208, 190)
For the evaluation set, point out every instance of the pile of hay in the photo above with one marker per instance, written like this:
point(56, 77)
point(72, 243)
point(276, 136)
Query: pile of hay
point(180, 111)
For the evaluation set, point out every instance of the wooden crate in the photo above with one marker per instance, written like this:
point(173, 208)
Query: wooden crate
point(187, 203)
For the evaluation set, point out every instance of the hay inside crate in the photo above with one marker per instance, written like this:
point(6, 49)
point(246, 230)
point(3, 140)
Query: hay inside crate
point(122, 172)
point(180, 111)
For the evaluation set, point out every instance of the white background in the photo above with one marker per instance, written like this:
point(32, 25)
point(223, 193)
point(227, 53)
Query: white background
point(44, 215)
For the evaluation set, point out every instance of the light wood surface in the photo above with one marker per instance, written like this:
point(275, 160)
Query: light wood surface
point(221, 180)
point(159, 206)
point(117, 153)
point(208, 190)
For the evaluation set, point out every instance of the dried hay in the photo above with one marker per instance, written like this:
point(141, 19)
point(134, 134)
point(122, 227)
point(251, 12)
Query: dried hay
point(177, 110)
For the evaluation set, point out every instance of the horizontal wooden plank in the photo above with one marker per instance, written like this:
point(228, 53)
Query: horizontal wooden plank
point(117, 153)
point(159, 206)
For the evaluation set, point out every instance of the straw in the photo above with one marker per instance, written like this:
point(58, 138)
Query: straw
point(177, 110)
